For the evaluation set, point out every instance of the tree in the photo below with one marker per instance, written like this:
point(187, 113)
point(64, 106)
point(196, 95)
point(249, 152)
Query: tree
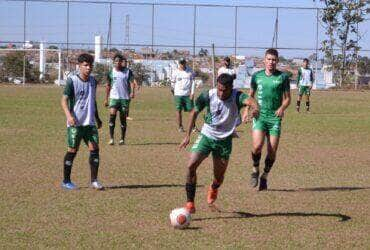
point(141, 73)
point(53, 47)
point(12, 67)
point(340, 19)
point(363, 65)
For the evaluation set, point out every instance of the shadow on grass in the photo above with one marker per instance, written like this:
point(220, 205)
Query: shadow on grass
point(242, 215)
point(146, 186)
point(319, 189)
point(153, 143)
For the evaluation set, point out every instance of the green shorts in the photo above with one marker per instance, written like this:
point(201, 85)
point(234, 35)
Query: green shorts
point(76, 134)
point(270, 125)
point(184, 103)
point(121, 105)
point(304, 90)
point(219, 148)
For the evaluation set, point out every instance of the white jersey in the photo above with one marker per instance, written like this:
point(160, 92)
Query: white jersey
point(81, 97)
point(306, 77)
point(220, 121)
point(224, 70)
point(182, 81)
point(120, 83)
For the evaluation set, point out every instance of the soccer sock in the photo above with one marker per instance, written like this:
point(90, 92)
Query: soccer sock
point(112, 123)
point(256, 162)
point(298, 104)
point(215, 184)
point(308, 105)
point(268, 165)
point(68, 162)
point(190, 191)
point(122, 118)
point(94, 164)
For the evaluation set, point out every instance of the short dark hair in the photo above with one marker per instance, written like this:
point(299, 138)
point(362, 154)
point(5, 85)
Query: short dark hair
point(226, 80)
point(306, 60)
point(227, 59)
point(120, 57)
point(182, 61)
point(84, 57)
point(273, 52)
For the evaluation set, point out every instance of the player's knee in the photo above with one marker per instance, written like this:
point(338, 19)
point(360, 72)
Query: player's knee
point(112, 120)
point(94, 158)
point(68, 158)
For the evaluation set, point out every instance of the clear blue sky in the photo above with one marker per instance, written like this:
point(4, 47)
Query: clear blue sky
point(173, 25)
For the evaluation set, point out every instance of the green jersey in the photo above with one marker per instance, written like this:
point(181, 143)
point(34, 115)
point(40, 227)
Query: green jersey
point(269, 90)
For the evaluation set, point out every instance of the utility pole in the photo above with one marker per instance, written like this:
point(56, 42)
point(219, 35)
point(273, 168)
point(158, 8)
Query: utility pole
point(127, 31)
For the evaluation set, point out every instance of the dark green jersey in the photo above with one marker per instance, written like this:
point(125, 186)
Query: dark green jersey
point(269, 90)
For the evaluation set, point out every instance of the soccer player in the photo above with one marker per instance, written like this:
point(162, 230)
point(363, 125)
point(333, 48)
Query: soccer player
point(119, 89)
point(182, 83)
point(222, 104)
point(79, 105)
point(304, 84)
point(226, 68)
point(272, 90)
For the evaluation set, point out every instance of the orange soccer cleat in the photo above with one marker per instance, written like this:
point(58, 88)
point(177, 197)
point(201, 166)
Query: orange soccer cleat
point(211, 195)
point(190, 207)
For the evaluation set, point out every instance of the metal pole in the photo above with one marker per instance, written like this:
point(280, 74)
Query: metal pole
point(109, 38)
point(60, 66)
point(356, 71)
point(24, 40)
point(153, 7)
point(213, 66)
point(68, 36)
point(277, 27)
point(317, 43)
point(235, 29)
point(194, 28)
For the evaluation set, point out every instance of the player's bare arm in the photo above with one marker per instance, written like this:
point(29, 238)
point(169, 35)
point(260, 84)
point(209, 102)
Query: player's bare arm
point(251, 110)
point(71, 120)
point(193, 118)
point(107, 92)
point(285, 104)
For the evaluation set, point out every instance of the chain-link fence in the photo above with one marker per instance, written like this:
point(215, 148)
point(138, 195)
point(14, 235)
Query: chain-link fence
point(151, 32)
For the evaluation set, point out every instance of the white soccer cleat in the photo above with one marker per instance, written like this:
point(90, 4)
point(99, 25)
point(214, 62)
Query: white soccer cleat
point(111, 142)
point(121, 142)
point(97, 185)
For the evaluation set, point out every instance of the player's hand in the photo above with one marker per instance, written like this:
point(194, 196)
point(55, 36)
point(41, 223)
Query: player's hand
point(185, 142)
point(132, 95)
point(191, 97)
point(71, 120)
point(245, 116)
point(105, 103)
point(255, 112)
point(280, 112)
point(99, 123)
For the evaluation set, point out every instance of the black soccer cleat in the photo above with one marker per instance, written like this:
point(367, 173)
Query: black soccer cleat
point(254, 179)
point(263, 184)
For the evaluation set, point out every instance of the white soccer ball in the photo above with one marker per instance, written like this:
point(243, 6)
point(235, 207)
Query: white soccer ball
point(180, 218)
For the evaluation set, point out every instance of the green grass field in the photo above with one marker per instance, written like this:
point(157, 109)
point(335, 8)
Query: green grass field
point(319, 193)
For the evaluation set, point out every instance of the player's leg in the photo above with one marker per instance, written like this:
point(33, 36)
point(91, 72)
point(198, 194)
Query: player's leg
point(308, 100)
point(258, 139)
point(221, 150)
point(189, 106)
point(299, 99)
point(200, 150)
point(92, 138)
point(179, 107)
point(113, 103)
point(219, 169)
point(272, 147)
point(123, 119)
point(195, 160)
point(73, 142)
